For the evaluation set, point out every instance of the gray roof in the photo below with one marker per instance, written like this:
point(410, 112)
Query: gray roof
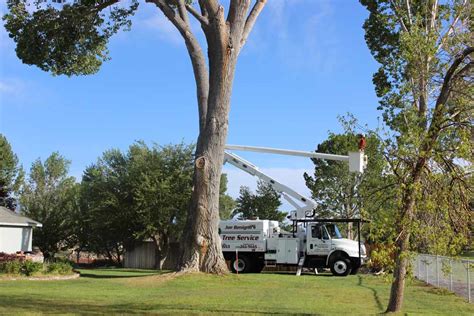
point(9, 218)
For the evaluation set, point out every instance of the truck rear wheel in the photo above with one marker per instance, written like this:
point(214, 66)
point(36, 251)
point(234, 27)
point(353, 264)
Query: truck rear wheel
point(241, 265)
point(340, 266)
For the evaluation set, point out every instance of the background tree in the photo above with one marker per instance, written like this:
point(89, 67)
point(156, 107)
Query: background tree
point(48, 196)
point(160, 179)
point(106, 202)
point(136, 195)
point(425, 88)
point(342, 194)
point(11, 175)
point(71, 38)
point(226, 202)
point(263, 204)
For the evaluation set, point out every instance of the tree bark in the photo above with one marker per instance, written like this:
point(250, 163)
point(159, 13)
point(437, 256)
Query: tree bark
point(397, 290)
point(202, 247)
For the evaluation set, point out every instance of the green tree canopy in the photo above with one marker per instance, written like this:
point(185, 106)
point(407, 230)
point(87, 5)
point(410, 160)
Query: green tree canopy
point(226, 202)
point(343, 194)
point(49, 197)
point(11, 175)
point(137, 195)
point(263, 204)
point(425, 89)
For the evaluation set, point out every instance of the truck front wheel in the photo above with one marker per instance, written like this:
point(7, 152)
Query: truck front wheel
point(241, 265)
point(340, 266)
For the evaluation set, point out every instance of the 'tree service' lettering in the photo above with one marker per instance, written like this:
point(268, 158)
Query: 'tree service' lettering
point(240, 237)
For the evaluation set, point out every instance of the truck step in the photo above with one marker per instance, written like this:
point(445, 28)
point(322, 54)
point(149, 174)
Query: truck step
point(300, 265)
point(270, 263)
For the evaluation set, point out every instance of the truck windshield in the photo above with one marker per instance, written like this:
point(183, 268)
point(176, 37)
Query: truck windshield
point(333, 231)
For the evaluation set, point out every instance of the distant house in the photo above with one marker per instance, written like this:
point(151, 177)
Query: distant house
point(16, 231)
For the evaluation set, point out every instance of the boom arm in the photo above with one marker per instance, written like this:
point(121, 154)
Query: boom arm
point(357, 163)
point(293, 197)
point(357, 160)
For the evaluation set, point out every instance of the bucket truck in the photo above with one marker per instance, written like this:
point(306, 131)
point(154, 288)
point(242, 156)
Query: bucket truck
point(251, 245)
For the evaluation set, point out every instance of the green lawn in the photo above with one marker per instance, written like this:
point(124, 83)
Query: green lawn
point(145, 291)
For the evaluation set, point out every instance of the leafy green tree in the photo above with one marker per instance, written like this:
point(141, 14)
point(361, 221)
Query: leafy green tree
point(71, 38)
point(160, 179)
point(48, 196)
point(226, 202)
point(11, 175)
point(140, 194)
point(424, 84)
point(106, 204)
point(342, 194)
point(263, 204)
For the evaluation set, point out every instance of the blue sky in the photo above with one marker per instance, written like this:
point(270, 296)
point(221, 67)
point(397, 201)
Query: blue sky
point(305, 63)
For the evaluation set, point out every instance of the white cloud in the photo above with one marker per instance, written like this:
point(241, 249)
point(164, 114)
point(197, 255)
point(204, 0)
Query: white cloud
point(11, 86)
point(300, 32)
point(290, 177)
point(164, 29)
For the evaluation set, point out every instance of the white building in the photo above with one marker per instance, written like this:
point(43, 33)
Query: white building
point(16, 231)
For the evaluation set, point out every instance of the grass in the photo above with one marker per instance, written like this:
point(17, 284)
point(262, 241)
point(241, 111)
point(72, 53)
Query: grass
point(146, 291)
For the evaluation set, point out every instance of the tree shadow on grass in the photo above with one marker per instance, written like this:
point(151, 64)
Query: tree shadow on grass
point(119, 273)
point(374, 292)
point(36, 305)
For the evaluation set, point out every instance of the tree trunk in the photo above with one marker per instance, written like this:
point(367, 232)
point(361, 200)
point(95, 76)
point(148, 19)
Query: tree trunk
point(202, 246)
point(349, 230)
point(397, 290)
point(158, 257)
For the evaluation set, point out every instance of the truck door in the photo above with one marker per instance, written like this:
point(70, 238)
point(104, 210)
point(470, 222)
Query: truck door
point(318, 241)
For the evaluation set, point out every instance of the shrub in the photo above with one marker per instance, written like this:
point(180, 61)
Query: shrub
point(11, 267)
point(59, 268)
point(31, 267)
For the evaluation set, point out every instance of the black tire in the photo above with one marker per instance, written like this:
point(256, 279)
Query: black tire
point(340, 266)
point(243, 265)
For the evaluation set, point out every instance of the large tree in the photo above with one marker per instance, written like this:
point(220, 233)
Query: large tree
point(71, 38)
point(11, 175)
point(49, 196)
point(424, 83)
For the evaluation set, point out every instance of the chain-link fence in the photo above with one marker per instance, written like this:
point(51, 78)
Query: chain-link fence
point(449, 273)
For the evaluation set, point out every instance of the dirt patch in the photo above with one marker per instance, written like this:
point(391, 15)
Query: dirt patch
point(151, 279)
point(40, 278)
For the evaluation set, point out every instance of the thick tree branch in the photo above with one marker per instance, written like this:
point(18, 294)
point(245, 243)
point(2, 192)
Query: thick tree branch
point(443, 98)
point(202, 5)
point(183, 13)
point(202, 19)
point(236, 19)
point(252, 18)
point(450, 75)
point(105, 4)
point(232, 11)
point(196, 54)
